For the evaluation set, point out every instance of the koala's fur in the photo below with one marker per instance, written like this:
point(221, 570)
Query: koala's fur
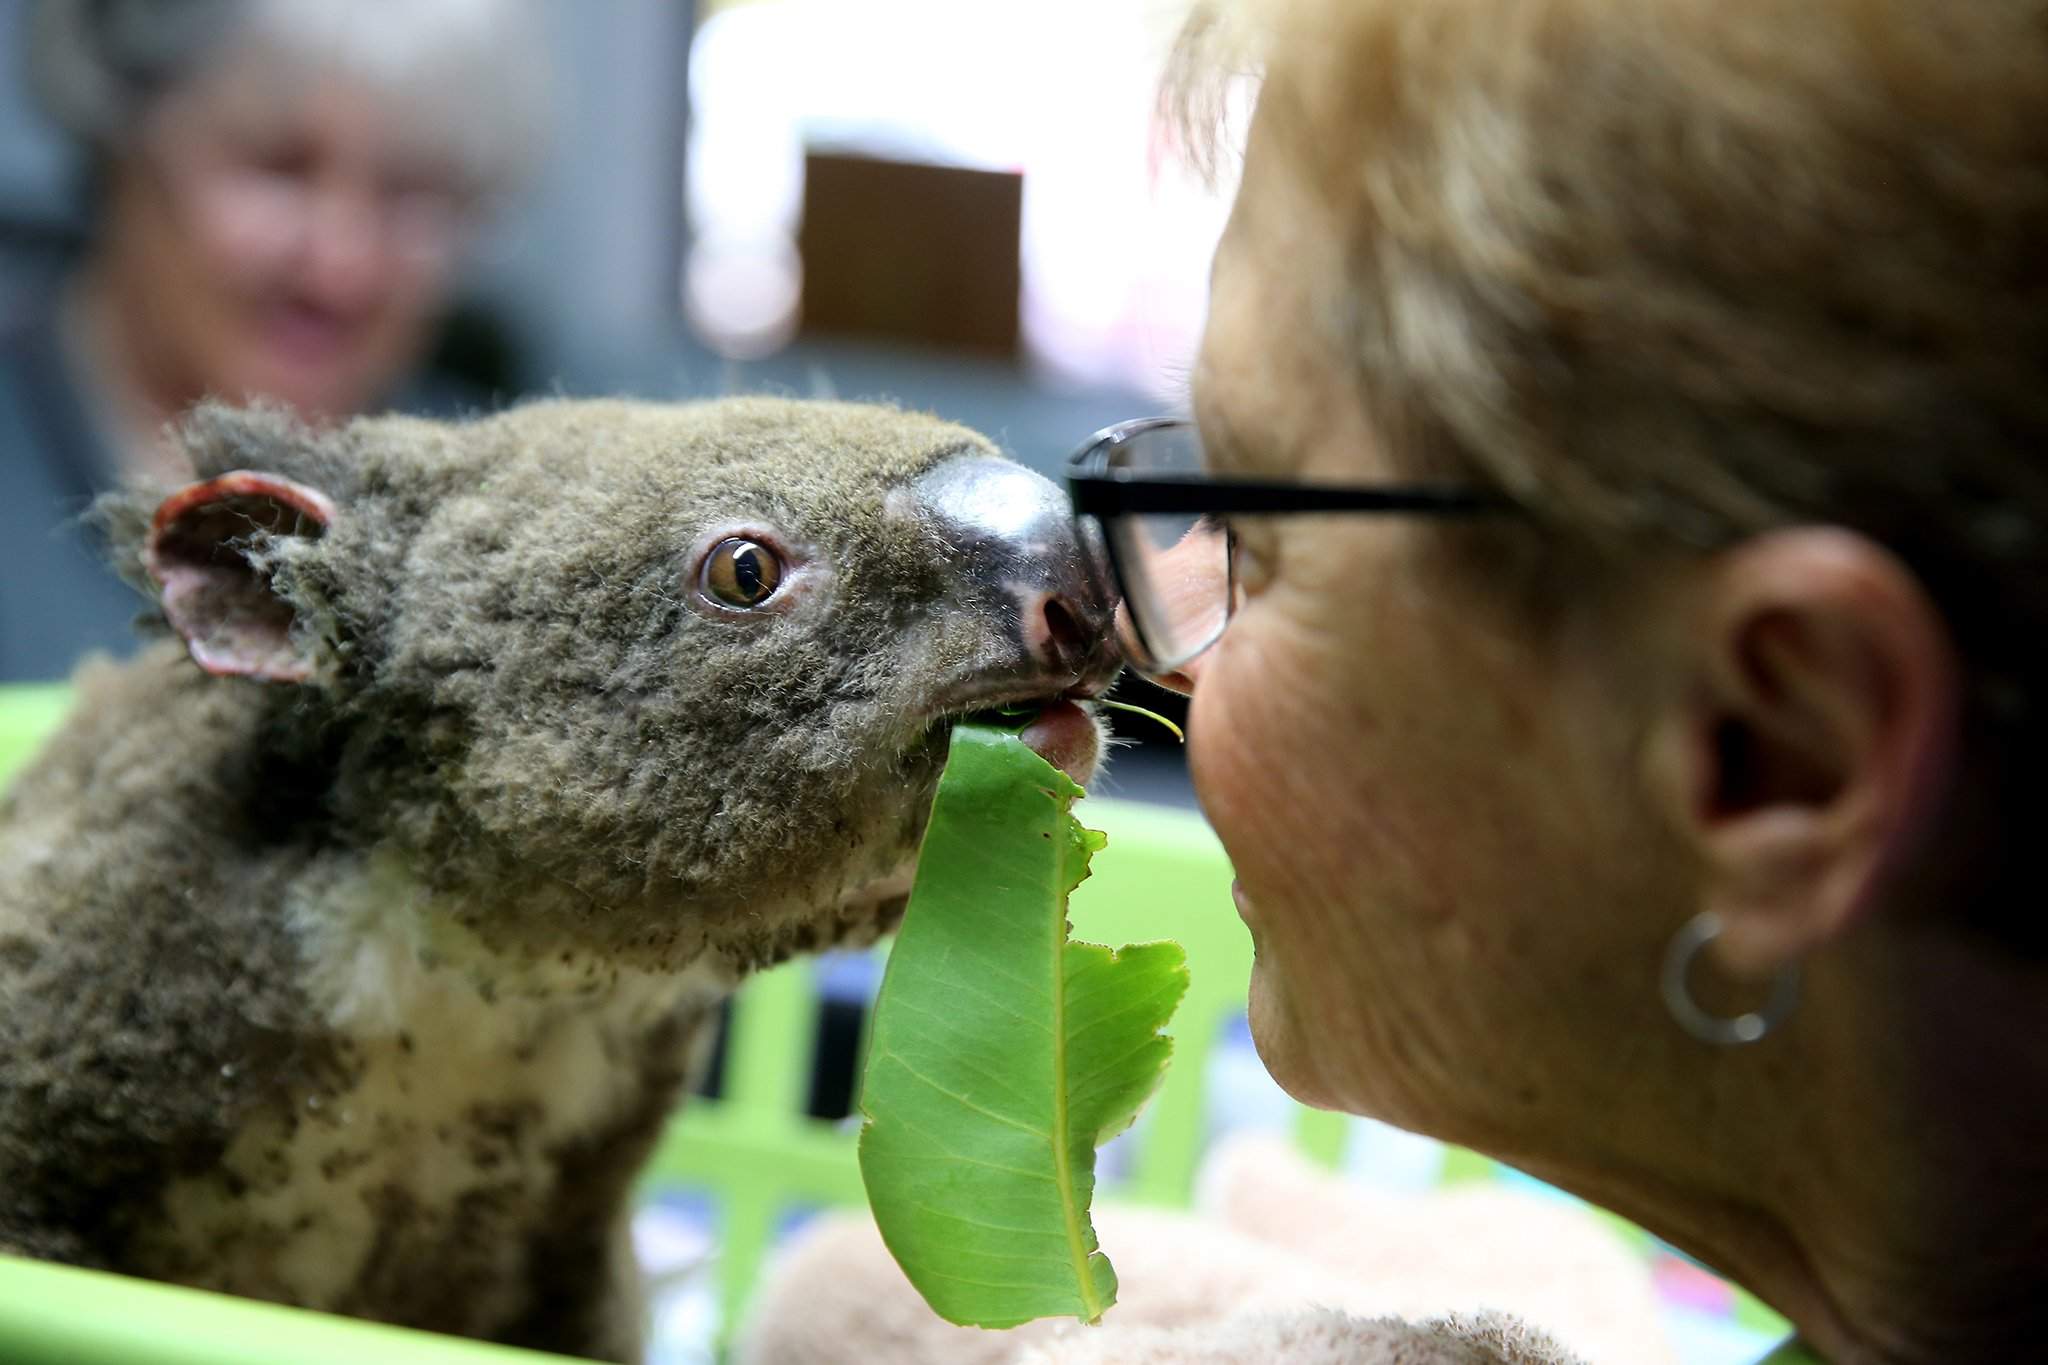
point(372, 992)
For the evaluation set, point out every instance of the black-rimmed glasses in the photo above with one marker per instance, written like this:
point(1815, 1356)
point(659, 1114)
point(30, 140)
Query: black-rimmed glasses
point(1149, 519)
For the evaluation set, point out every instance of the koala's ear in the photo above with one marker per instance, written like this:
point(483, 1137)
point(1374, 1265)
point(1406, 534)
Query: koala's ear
point(212, 549)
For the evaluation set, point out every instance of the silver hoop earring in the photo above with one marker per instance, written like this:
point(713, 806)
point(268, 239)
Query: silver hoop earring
point(1722, 1031)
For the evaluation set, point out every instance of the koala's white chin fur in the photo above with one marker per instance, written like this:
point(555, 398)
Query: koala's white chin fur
point(381, 956)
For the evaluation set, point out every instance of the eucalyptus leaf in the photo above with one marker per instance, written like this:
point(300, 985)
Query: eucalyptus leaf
point(1001, 1053)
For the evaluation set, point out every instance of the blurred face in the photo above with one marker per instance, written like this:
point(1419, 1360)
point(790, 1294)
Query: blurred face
point(1451, 891)
point(278, 235)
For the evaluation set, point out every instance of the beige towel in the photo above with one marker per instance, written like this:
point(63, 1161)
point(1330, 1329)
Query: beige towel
point(1291, 1264)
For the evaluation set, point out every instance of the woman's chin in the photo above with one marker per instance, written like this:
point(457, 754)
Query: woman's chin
point(329, 381)
point(317, 395)
point(1284, 1047)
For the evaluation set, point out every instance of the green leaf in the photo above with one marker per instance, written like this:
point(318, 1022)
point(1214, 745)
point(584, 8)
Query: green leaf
point(1001, 1053)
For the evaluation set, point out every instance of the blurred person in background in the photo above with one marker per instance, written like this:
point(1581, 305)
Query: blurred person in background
point(280, 196)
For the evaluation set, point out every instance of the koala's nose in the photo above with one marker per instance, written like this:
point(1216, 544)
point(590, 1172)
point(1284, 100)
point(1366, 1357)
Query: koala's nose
point(1015, 531)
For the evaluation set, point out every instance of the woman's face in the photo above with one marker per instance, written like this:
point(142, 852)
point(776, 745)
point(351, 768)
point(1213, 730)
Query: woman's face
point(279, 236)
point(1449, 883)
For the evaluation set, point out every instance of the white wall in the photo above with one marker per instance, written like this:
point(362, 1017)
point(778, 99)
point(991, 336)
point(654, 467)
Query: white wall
point(589, 265)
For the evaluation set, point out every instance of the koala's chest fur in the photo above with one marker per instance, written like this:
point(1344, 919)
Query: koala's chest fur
point(485, 1123)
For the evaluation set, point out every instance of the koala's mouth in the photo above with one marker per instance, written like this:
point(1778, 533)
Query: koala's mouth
point(1061, 729)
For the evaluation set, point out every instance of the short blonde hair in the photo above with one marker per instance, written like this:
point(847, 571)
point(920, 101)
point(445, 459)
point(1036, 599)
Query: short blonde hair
point(1671, 272)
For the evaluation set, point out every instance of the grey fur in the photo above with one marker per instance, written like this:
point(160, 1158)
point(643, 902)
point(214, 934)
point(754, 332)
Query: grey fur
point(522, 733)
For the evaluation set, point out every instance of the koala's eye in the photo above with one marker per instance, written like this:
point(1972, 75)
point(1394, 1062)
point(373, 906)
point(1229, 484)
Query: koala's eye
point(741, 573)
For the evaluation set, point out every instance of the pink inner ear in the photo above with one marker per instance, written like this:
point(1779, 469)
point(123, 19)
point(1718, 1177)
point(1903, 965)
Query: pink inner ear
point(224, 606)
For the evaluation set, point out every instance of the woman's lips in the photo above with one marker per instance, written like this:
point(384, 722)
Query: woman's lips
point(302, 334)
point(1064, 735)
point(1240, 900)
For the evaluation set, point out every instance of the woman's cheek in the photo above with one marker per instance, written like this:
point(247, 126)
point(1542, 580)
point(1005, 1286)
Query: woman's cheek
point(1262, 771)
point(1230, 757)
point(1240, 764)
point(1260, 729)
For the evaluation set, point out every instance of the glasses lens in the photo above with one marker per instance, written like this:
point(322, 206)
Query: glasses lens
point(1176, 567)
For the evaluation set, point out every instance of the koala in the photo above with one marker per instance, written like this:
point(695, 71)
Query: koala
point(357, 938)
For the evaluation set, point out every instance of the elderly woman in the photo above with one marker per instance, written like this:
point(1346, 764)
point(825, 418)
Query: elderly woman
point(1625, 701)
point(281, 193)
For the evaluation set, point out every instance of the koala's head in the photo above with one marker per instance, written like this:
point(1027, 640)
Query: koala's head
point(644, 675)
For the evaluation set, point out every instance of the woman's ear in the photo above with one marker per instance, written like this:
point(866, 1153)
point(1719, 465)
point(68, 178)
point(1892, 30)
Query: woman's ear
point(1806, 753)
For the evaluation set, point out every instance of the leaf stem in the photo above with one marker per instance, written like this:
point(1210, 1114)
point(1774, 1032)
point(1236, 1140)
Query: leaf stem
point(1074, 1218)
point(1154, 715)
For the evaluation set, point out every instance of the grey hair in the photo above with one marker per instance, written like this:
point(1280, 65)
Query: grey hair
point(479, 67)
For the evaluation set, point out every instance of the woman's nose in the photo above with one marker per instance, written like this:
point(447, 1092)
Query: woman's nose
point(344, 265)
point(1180, 678)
